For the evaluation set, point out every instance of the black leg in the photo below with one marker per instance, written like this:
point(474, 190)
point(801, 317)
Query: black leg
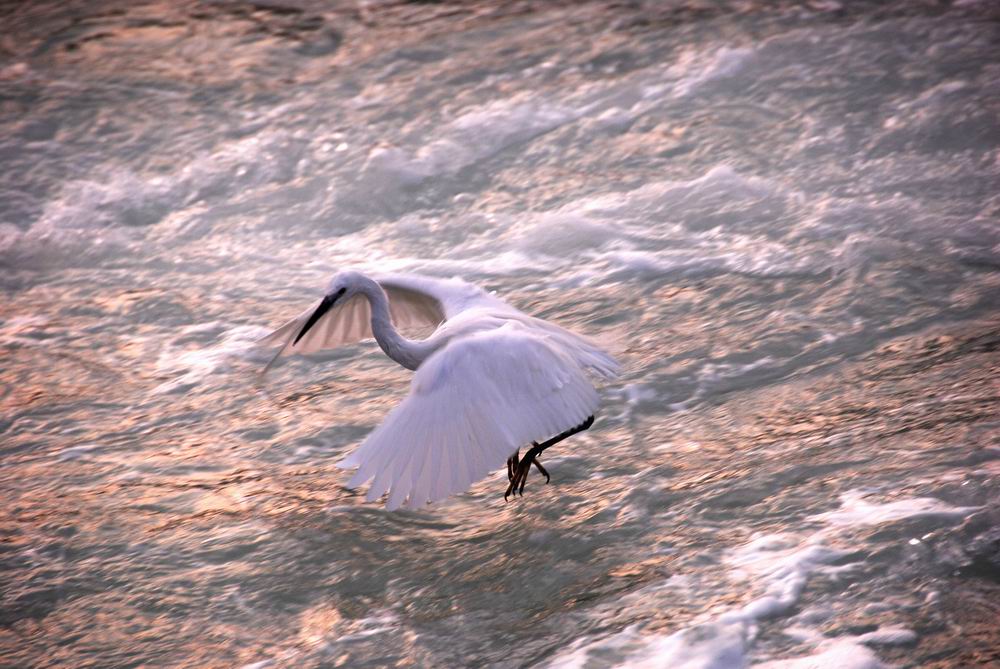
point(563, 435)
point(517, 470)
point(512, 463)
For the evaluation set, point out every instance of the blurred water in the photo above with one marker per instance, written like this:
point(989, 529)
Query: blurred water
point(783, 218)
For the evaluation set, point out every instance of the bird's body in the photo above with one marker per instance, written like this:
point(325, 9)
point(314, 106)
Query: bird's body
point(489, 380)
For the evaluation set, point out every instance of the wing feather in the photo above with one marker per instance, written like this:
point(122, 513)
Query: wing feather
point(471, 405)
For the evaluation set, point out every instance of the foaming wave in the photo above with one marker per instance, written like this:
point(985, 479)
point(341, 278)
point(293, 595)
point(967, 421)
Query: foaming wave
point(779, 565)
point(721, 222)
point(700, 647)
point(725, 65)
point(389, 172)
point(855, 510)
point(840, 654)
point(94, 219)
point(188, 367)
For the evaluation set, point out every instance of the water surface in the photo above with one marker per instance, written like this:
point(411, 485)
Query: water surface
point(782, 217)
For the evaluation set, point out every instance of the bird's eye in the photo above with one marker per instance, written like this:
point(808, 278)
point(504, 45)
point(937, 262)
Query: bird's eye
point(341, 291)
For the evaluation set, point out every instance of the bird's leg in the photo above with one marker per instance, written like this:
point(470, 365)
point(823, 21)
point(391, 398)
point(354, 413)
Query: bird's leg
point(563, 435)
point(514, 473)
point(521, 468)
point(512, 462)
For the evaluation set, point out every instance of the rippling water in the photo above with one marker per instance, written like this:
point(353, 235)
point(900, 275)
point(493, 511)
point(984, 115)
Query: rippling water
point(783, 217)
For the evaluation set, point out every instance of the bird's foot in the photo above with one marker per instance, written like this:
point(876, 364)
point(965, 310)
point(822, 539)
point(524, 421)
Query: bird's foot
point(512, 463)
point(517, 471)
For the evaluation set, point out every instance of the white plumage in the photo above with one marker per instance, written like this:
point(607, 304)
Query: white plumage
point(488, 381)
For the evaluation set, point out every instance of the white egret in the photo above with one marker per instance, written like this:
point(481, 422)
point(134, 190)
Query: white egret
point(489, 380)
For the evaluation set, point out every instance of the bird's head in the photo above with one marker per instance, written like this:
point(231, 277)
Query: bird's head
point(341, 287)
point(344, 283)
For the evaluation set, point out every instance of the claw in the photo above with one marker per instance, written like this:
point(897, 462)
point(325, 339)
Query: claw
point(541, 469)
point(525, 468)
point(512, 463)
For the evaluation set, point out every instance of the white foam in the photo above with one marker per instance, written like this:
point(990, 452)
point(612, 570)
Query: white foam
point(720, 185)
point(79, 452)
point(189, 368)
point(614, 230)
point(779, 561)
point(713, 378)
point(500, 264)
point(609, 237)
point(784, 565)
point(779, 566)
point(889, 636)
point(470, 138)
point(638, 393)
point(767, 259)
point(482, 132)
point(95, 217)
point(45, 242)
point(486, 131)
point(856, 511)
point(710, 646)
point(563, 233)
point(839, 654)
point(725, 64)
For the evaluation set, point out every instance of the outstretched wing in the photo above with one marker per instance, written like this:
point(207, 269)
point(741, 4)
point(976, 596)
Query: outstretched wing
point(414, 302)
point(471, 405)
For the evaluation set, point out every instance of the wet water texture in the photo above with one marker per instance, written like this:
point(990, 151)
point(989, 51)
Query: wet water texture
point(782, 217)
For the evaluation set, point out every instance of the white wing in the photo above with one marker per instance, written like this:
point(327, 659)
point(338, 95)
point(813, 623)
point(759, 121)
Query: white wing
point(450, 296)
point(586, 353)
point(413, 302)
point(471, 405)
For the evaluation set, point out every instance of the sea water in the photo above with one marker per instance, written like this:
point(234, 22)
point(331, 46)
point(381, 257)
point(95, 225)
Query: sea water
point(781, 217)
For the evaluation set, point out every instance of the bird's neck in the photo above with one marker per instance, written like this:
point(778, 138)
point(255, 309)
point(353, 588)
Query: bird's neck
point(406, 352)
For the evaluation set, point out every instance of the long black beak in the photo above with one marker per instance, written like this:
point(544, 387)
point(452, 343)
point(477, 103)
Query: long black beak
point(323, 307)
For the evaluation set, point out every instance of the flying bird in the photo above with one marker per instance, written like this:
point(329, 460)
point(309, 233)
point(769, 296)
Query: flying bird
point(489, 380)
